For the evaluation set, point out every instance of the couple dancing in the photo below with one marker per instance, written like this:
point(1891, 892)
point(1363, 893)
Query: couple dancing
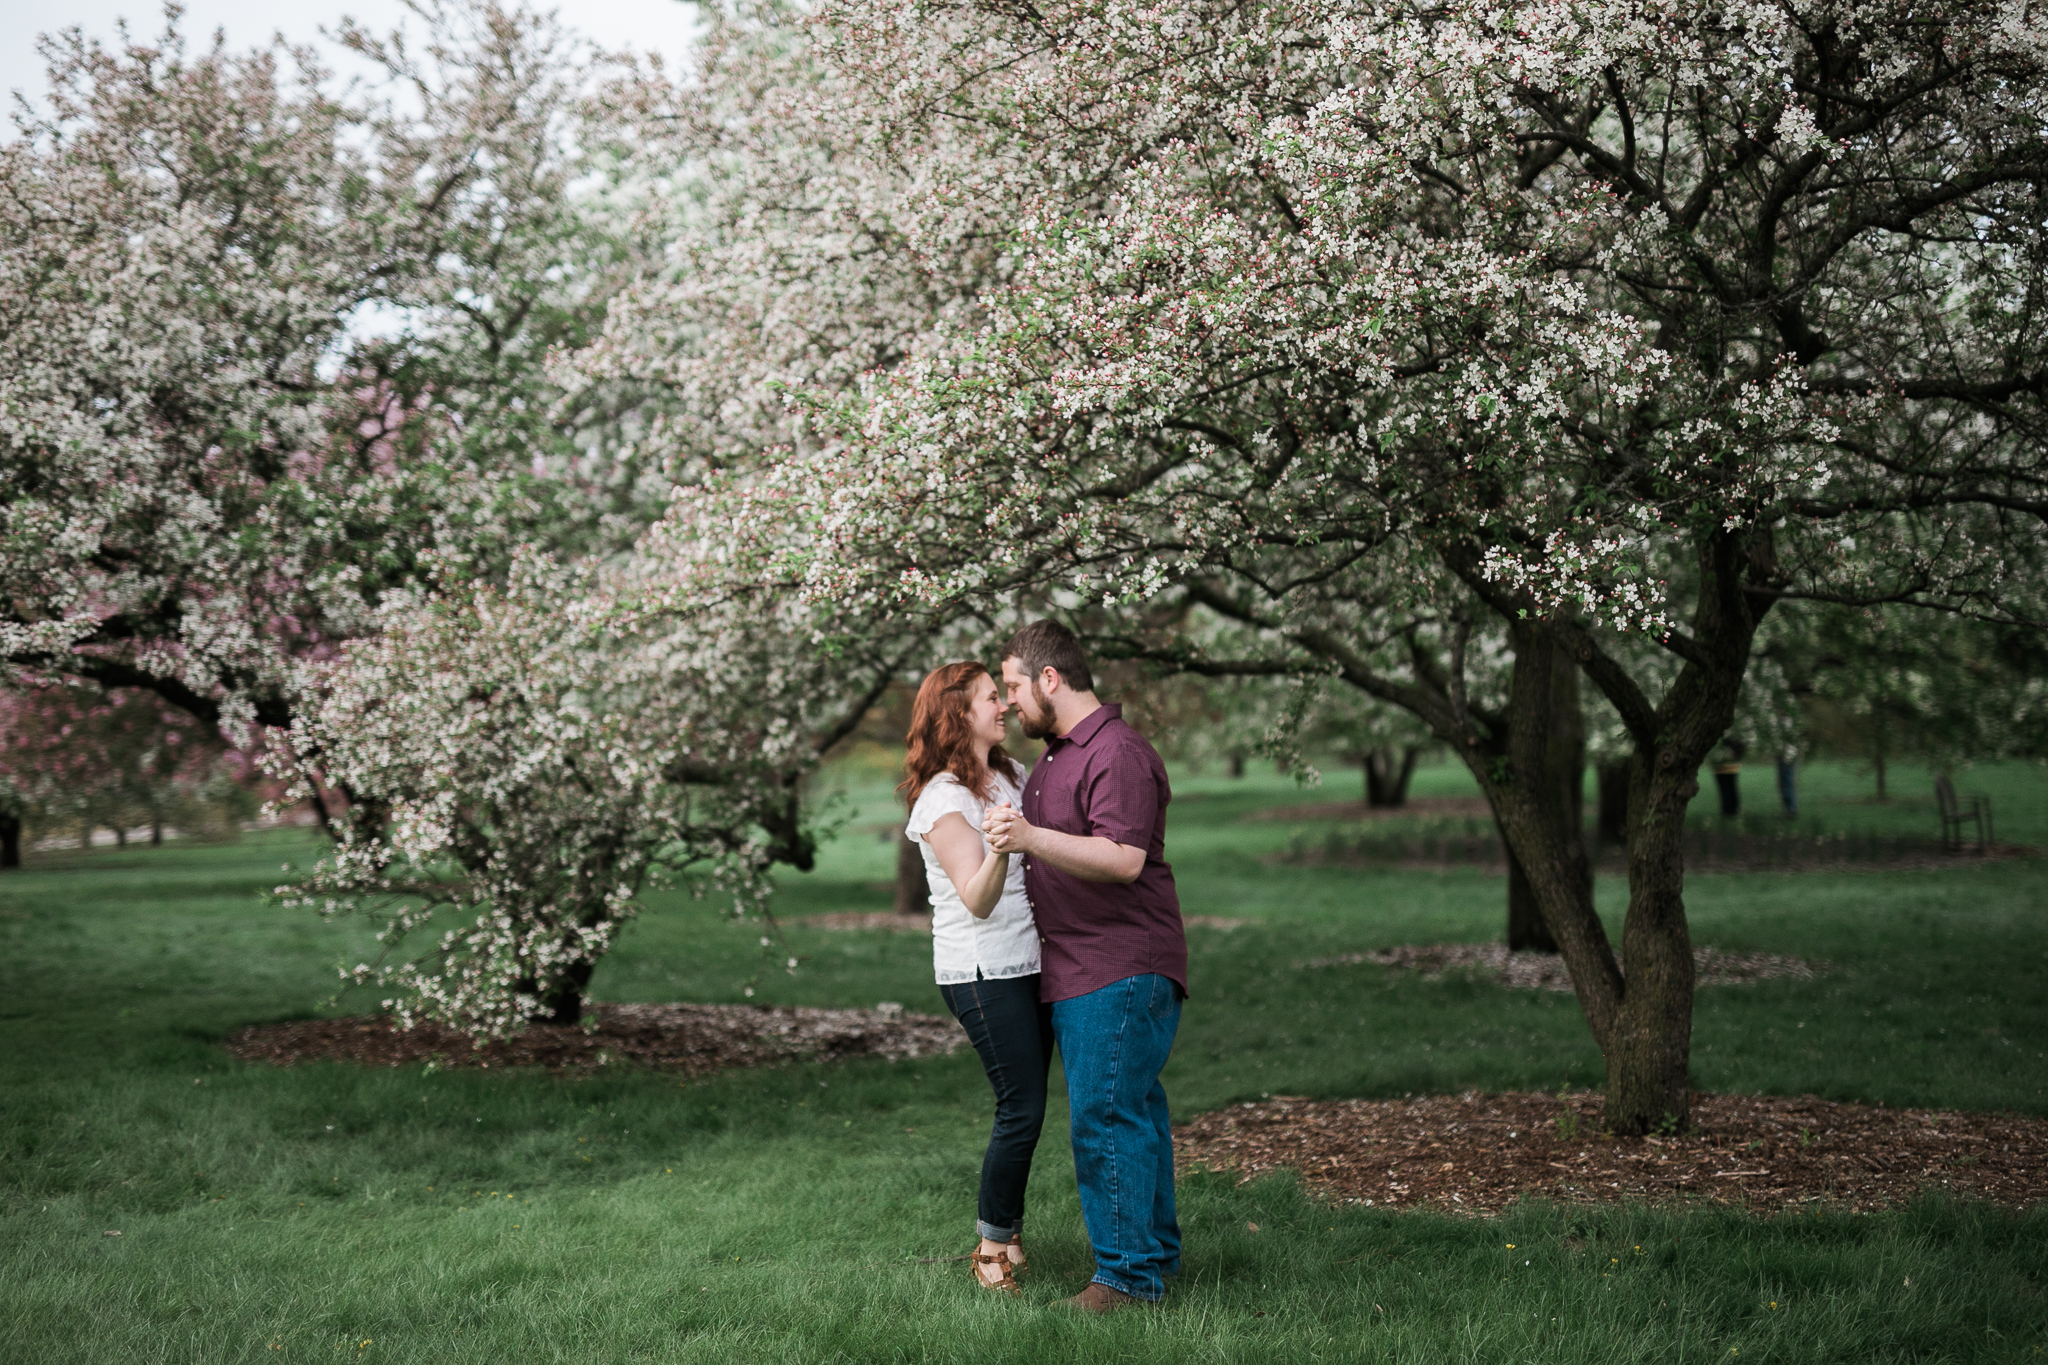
point(1054, 920)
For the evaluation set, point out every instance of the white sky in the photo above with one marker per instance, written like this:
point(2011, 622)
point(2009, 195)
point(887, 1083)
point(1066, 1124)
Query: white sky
point(662, 26)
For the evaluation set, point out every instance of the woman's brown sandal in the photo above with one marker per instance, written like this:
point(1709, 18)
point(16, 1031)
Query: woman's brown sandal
point(1007, 1284)
point(1019, 1265)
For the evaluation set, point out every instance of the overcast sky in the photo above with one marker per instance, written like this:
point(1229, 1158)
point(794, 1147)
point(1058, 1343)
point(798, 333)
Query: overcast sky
point(658, 25)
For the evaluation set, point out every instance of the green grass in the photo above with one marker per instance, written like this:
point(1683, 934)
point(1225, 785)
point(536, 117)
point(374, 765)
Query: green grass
point(770, 1215)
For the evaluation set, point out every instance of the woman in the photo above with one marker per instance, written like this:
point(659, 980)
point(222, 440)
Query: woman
point(984, 942)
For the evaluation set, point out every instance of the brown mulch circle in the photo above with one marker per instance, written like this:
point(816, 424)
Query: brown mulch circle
point(693, 1039)
point(1477, 1153)
point(1445, 806)
point(1546, 971)
point(1481, 852)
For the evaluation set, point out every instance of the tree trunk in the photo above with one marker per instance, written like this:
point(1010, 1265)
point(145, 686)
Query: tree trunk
point(1644, 1024)
point(1730, 787)
point(564, 1003)
point(156, 831)
point(1237, 765)
point(1879, 761)
point(1386, 784)
point(1649, 1044)
point(1527, 933)
point(1613, 817)
point(10, 841)
point(120, 834)
point(913, 892)
point(1561, 782)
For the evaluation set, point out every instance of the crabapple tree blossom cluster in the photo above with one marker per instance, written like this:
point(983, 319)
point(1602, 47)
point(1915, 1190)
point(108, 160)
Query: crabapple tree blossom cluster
point(787, 271)
point(523, 759)
point(266, 353)
point(1360, 340)
point(274, 379)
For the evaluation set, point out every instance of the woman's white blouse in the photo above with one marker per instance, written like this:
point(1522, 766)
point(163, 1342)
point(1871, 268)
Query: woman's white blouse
point(1006, 943)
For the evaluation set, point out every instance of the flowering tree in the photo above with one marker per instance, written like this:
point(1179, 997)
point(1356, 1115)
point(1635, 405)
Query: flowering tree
point(788, 268)
point(207, 466)
point(74, 754)
point(1370, 333)
point(1882, 683)
point(522, 760)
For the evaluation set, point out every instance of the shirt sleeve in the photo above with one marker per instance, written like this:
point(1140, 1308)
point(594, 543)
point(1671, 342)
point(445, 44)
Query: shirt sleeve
point(941, 796)
point(1123, 799)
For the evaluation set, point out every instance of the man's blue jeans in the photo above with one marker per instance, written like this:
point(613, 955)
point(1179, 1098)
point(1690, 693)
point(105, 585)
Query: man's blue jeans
point(1113, 1044)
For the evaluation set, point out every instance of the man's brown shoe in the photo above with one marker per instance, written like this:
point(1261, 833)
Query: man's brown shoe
point(1100, 1298)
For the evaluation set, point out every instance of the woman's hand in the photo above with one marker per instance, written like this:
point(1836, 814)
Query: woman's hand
point(976, 871)
point(1092, 858)
point(1007, 830)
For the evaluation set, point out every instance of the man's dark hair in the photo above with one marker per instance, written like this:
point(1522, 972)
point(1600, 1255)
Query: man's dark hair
point(1048, 644)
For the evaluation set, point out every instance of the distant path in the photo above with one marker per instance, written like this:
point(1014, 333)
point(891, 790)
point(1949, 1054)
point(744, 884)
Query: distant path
point(1461, 806)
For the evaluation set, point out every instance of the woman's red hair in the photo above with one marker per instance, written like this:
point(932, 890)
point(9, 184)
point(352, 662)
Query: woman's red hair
point(942, 737)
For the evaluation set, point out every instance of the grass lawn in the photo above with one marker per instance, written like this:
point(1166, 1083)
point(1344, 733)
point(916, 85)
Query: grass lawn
point(332, 1214)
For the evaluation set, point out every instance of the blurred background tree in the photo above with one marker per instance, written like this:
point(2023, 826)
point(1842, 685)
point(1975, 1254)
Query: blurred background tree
point(1883, 684)
point(75, 758)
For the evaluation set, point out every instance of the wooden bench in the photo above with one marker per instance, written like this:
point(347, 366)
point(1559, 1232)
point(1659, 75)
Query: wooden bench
point(1957, 811)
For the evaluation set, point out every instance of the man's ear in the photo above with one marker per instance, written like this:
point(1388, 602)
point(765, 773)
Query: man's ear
point(1050, 681)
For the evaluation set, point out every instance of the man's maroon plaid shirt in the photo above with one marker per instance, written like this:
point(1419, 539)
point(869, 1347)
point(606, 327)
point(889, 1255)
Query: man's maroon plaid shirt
point(1101, 779)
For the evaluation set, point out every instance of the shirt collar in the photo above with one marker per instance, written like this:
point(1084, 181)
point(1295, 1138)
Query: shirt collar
point(1093, 722)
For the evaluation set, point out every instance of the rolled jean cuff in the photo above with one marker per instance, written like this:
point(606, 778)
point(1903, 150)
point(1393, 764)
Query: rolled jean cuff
point(1136, 1291)
point(990, 1232)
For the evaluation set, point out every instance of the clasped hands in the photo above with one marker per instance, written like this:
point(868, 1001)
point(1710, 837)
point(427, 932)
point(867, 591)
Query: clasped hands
point(1006, 830)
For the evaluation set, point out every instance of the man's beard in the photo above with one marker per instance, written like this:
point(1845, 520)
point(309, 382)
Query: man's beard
point(1043, 725)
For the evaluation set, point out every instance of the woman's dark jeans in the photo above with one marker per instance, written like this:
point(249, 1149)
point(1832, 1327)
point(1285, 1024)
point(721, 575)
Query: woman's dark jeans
point(1013, 1034)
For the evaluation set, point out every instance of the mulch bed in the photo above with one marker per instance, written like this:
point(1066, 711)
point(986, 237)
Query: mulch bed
point(1479, 1153)
point(1472, 1153)
point(1706, 851)
point(1547, 972)
point(695, 1040)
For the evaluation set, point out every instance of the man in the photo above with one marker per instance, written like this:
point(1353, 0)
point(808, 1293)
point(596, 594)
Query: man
point(1092, 830)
